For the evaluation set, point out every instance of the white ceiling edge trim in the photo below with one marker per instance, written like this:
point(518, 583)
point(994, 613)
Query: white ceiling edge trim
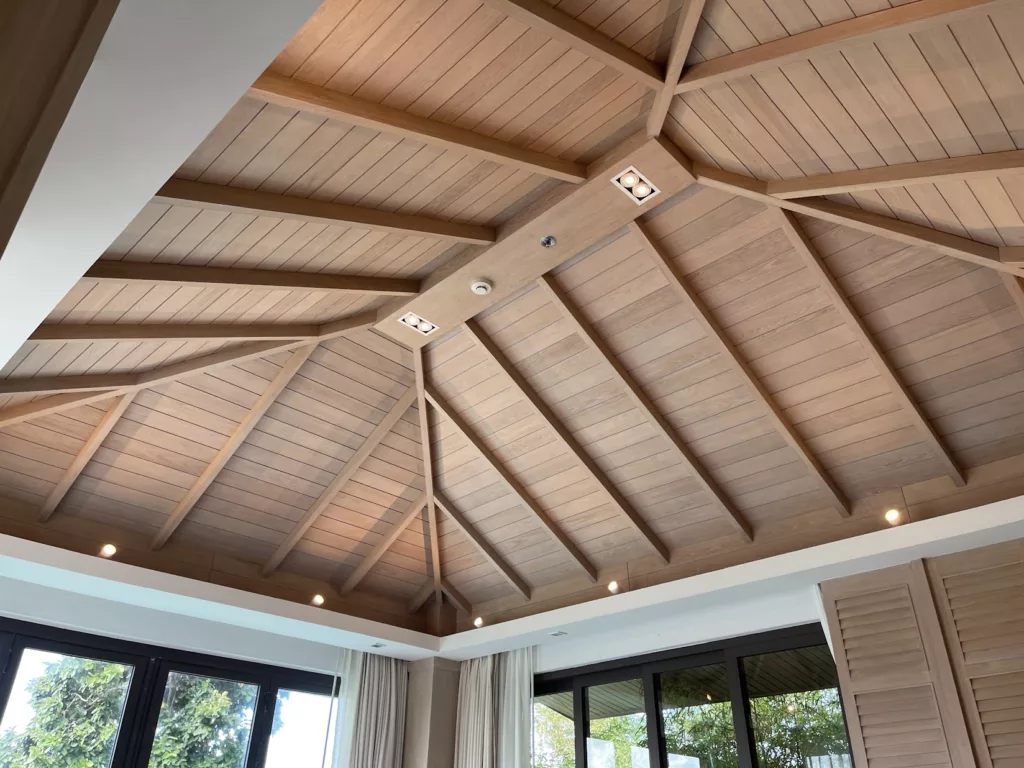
point(164, 75)
point(128, 585)
point(643, 609)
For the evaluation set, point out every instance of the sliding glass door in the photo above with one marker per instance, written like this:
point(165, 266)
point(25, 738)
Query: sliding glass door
point(69, 700)
point(769, 701)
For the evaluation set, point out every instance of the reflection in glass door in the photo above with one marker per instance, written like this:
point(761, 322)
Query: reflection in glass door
point(618, 726)
point(63, 711)
point(204, 722)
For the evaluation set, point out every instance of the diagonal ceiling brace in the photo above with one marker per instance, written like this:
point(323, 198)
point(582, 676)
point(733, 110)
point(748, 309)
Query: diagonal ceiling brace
point(410, 514)
point(428, 474)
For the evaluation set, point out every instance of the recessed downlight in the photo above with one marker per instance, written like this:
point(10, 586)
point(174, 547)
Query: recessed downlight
point(317, 600)
point(635, 185)
point(613, 587)
point(478, 622)
point(893, 516)
point(108, 550)
point(419, 324)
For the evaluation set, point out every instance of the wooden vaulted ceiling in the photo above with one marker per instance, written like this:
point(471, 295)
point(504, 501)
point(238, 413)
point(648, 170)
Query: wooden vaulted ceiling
point(818, 318)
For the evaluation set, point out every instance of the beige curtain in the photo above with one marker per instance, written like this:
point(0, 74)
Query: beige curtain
point(380, 720)
point(476, 715)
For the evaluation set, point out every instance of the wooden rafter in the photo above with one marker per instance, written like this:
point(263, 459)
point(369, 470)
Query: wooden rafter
point(725, 348)
point(1015, 288)
point(643, 403)
point(348, 471)
point(447, 588)
point(335, 105)
point(142, 272)
point(88, 333)
point(902, 20)
point(231, 446)
point(455, 596)
point(256, 203)
point(84, 455)
point(559, 26)
point(888, 176)
point(865, 221)
point(682, 39)
point(489, 552)
point(99, 386)
point(428, 473)
point(516, 487)
point(422, 595)
point(370, 559)
point(805, 249)
point(542, 411)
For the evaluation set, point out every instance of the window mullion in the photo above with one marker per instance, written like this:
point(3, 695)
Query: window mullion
point(741, 711)
point(581, 711)
point(655, 729)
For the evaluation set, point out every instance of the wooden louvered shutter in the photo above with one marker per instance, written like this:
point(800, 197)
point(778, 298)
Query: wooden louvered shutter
point(894, 674)
point(980, 596)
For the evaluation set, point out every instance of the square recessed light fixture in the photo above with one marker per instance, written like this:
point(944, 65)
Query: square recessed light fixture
point(417, 323)
point(634, 184)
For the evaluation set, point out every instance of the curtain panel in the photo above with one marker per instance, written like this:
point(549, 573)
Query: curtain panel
point(379, 732)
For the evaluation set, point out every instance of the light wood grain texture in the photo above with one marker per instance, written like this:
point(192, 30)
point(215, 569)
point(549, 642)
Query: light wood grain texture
point(682, 39)
point(886, 177)
point(492, 555)
point(855, 218)
point(1015, 289)
point(541, 410)
point(48, 48)
point(577, 218)
point(561, 27)
point(716, 336)
point(351, 467)
point(514, 485)
point(228, 450)
point(369, 560)
point(804, 248)
point(254, 202)
point(455, 596)
point(422, 595)
point(428, 473)
point(136, 272)
point(295, 94)
point(89, 333)
point(644, 404)
point(84, 455)
point(880, 686)
point(902, 19)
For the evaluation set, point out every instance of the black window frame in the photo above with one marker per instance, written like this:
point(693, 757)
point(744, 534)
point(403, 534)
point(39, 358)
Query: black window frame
point(152, 664)
point(649, 667)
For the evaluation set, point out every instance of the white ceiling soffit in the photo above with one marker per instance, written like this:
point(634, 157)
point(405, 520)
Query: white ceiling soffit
point(690, 611)
point(127, 585)
point(164, 75)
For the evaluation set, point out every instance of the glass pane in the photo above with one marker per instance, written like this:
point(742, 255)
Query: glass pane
point(63, 711)
point(204, 722)
point(697, 716)
point(302, 735)
point(554, 731)
point(618, 726)
point(795, 709)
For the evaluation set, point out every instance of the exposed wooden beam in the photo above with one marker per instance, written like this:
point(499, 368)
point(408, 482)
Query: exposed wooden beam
point(256, 203)
point(887, 176)
point(428, 473)
point(682, 39)
point(489, 552)
point(563, 28)
point(143, 272)
point(576, 218)
point(370, 559)
point(542, 411)
point(725, 348)
point(84, 455)
point(225, 332)
point(88, 388)
point(351, 467)
point(242, 431)
point(805, 249)
point(1012, 256)
point(334, 105)
point(864, 221)
point(455, 596)
point(513, 484)
point(643, 403)
point(422, 595)
point(1015, 288)
point(901, 20)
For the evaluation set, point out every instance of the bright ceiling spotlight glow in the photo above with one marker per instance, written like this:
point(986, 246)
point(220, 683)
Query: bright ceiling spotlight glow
point(417, 323)
point(424, 326)
point(709, 696)
point(892, 516)
point(613, 587)
point(641, 190)
point(108, 550)
point(317, 600)
point(629, 179)
point(635, 185)
point(478, 622)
